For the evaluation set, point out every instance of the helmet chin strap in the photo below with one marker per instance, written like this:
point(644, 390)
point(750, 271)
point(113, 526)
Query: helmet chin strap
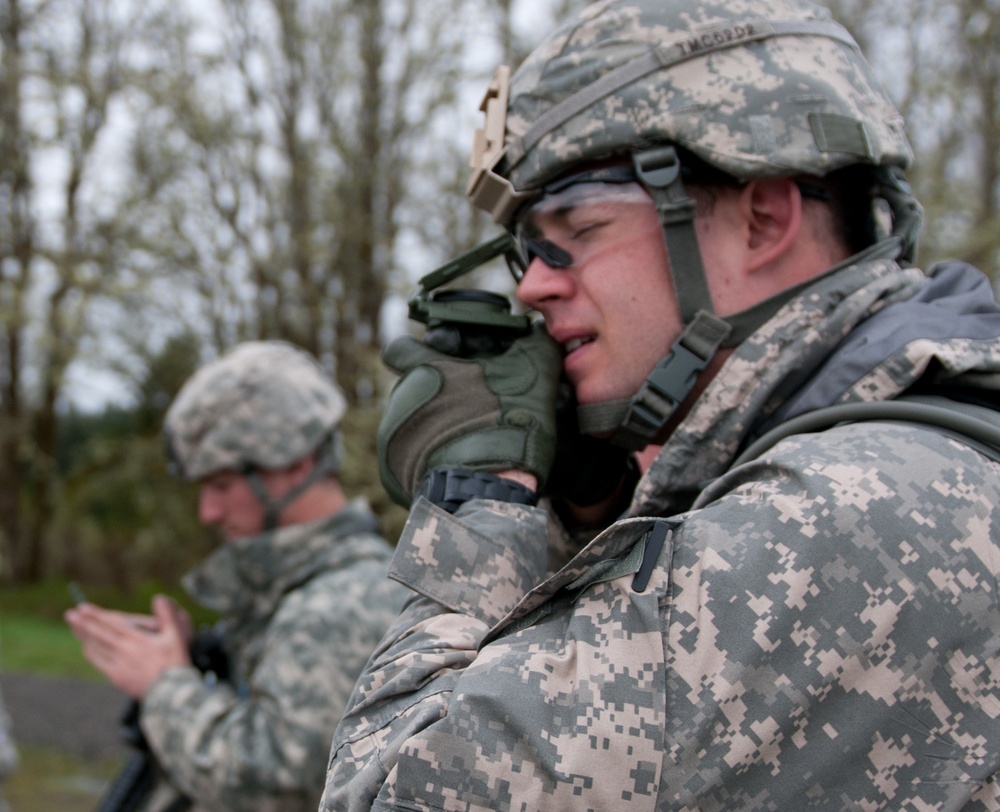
point(327, 461)
point(636, 422)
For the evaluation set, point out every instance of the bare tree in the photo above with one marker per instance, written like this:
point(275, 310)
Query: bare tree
point(60, 245)
point(301, 124)
point(940, 62)
point(975, 130)
point(237, 169)
point(17, 237)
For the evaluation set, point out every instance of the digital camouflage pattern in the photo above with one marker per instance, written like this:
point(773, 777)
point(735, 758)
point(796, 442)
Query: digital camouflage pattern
point(819, 629)
point(302, 608)
point(265, 404)
point(757, 88)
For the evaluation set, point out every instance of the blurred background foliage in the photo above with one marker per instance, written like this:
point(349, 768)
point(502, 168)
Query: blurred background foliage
point(180, 176)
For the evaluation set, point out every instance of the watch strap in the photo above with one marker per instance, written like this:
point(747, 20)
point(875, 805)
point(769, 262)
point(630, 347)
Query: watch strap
point(448, 488)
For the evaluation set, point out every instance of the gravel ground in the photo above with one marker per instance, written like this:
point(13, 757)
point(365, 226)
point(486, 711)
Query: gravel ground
point(74, 715)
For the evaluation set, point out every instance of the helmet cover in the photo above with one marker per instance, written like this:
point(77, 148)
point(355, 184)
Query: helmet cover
point(755, 88)
point(264, 404)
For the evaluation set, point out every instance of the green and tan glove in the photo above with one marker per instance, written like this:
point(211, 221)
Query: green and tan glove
point(491, 412)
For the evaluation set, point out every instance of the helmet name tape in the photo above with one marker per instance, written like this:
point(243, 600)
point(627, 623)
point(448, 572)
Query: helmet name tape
point(721, 36)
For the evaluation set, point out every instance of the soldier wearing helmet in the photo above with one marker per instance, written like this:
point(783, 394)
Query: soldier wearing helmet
point(755, 571)
point(299, 585)
point(264, 414)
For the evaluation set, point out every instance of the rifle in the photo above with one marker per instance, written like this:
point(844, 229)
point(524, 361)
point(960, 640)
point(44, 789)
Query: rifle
point(130, 789)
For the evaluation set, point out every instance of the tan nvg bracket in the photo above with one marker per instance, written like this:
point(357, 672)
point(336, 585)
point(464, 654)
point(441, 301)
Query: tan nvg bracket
point(488, 190)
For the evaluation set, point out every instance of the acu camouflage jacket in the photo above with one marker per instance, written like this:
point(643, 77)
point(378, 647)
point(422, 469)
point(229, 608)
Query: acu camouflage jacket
point(817, 628)
point(302, 609)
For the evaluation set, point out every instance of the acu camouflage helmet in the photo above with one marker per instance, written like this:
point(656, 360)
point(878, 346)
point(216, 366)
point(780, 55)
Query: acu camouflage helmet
point(756, 88)
point(752, 89)
point(265, 404)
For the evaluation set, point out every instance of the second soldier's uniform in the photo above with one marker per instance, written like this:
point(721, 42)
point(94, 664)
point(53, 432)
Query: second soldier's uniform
point(299, 584)
point(302, 609)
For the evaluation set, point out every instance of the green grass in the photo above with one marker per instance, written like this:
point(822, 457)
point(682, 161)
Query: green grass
point(34, 637)
point(51, 598)
point(47, 779)
point(40, 645)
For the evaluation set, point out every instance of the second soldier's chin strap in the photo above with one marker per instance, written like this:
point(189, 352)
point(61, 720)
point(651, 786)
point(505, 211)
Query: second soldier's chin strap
point(636, 422)
point(327, 462)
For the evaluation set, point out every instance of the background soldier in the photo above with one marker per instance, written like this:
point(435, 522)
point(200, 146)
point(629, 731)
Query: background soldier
point(708, 200)
point(300, 585)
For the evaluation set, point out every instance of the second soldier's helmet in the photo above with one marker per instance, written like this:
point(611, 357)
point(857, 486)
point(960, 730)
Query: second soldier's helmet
point(263, 405)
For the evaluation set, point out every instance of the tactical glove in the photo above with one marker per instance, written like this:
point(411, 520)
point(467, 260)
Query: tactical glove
point(489, 412)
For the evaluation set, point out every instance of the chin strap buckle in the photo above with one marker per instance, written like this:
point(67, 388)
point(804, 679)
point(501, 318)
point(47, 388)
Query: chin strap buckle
point(671, 381)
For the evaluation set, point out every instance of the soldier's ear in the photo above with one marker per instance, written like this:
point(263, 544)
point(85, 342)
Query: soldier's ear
point(772, 212)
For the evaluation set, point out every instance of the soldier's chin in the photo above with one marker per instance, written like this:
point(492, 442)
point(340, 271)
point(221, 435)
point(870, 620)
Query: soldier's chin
point(235, 535)
point(587, 394)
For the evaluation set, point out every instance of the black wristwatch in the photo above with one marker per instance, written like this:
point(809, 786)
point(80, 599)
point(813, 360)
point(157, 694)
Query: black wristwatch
point(450, 487)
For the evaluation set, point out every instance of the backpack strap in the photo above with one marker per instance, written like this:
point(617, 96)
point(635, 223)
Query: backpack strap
point(975, 425)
